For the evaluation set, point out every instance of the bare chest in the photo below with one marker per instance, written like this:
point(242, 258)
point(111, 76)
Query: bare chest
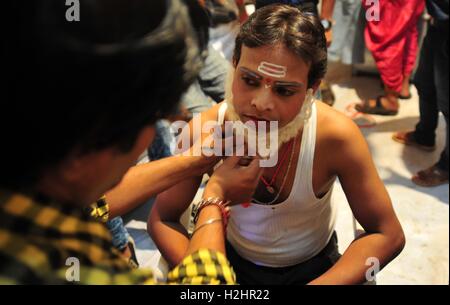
point(278, 182)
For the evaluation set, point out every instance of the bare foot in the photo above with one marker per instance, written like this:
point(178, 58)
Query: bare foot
point(405, 87)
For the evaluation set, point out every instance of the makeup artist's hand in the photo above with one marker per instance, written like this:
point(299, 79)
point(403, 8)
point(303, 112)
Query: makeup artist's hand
point(234, 182)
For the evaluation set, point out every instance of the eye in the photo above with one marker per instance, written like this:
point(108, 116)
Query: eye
point(250, 81)
point(283, 91)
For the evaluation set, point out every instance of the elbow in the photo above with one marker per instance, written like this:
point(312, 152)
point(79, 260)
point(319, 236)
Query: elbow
point(149, 229)
point(401, 242)
point(398, 241)
point(151, 225)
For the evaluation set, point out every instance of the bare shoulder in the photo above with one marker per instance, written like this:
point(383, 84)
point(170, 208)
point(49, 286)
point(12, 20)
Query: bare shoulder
point(212, 113)
point(338, 134)
point(334, 127)
point(209, 115)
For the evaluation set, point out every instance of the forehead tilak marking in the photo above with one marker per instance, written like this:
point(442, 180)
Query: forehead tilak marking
point(272, 70)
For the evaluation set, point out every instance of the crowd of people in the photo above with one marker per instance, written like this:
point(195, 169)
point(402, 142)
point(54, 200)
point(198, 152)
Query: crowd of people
point(87, 137)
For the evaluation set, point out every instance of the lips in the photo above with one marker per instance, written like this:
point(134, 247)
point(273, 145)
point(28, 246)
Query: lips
point(255, 118)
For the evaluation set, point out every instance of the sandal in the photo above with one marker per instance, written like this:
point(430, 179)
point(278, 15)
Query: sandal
point(133, 261)
point(408, 138)
point(432, 176)
point(129, 253)
point(361, 119)
point(378, 109)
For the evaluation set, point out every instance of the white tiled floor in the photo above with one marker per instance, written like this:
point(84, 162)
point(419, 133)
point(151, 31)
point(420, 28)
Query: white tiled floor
point(423, 212)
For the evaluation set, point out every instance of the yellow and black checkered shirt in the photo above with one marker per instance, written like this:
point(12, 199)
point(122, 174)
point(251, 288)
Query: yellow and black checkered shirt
point(43, 243)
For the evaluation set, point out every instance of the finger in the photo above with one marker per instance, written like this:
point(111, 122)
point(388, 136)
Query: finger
point(231, 161)
point(245, 161)
point(254, 168)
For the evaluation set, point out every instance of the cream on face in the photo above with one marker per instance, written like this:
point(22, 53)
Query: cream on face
point(285, 133)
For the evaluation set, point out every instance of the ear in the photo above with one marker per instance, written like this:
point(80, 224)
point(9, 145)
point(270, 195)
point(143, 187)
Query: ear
point(144, 139)
point(75, 167)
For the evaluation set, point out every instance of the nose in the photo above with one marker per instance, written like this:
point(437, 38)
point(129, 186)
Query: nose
point(263, 101)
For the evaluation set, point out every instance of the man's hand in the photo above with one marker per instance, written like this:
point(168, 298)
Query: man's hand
point(207, 155)
point(329, 37)
point(326, 13)
point(234, 182)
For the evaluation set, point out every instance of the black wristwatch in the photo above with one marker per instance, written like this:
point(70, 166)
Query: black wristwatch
point(327, 24)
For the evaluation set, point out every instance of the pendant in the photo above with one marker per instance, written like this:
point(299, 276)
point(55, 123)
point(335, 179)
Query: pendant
point(270, 189)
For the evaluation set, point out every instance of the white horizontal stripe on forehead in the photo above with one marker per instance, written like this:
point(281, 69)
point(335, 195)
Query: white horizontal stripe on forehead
point(272, 69)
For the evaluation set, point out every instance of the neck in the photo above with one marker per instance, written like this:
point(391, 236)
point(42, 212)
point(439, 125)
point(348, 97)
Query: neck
point(55, 188)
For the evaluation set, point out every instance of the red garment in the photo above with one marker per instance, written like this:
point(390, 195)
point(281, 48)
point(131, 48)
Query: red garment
point(393, 40)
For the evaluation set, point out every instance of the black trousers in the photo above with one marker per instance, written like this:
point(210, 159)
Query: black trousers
point(431, 80)
point(248, 273)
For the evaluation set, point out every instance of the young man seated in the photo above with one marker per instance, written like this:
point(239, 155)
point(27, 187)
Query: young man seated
point(286, 234)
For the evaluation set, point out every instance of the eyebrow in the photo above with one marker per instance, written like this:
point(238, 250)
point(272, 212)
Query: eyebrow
point(288, 84)
point(276, 83)
point(254, 74)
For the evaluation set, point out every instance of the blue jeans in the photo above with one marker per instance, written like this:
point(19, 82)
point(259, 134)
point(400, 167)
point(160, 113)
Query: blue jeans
point(210, 84)
point(160, 147)
point(348, 33)
point(119, 232)
point(431, 80)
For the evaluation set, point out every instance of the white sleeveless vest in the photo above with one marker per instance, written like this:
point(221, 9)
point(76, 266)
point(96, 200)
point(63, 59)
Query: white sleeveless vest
point(292, 231)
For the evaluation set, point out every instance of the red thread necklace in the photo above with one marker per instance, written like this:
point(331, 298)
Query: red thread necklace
point(268, 185)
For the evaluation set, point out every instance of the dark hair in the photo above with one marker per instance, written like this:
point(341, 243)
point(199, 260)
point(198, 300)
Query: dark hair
point(301, 33)
point(82, 86)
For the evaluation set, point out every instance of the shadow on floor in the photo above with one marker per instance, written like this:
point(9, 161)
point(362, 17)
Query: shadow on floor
point(396, 124)
point(391, 177)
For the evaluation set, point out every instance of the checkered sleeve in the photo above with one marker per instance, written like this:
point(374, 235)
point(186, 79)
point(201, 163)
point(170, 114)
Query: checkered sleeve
point(203, 267)
point(100, 210)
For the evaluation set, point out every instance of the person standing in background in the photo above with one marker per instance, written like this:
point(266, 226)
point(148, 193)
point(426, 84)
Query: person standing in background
point(431, 80)
point(393, 41)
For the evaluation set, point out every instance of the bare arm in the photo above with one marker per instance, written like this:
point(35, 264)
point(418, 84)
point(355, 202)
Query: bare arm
point(164, 222)
point(327, 9)
point(371, 206)
point(144, 181)
point(229, 182)
point(326, 12)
